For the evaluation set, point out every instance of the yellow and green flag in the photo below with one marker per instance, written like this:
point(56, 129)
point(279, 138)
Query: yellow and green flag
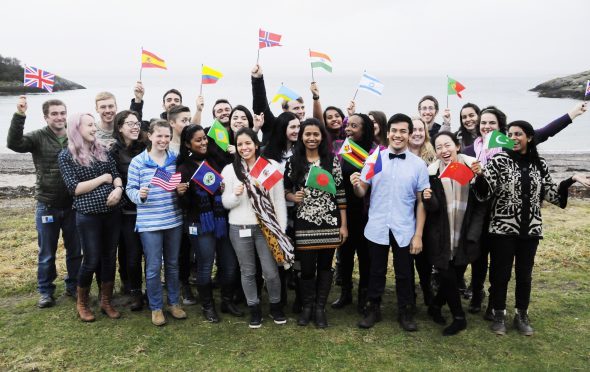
point(353, 153)
point(219, 134)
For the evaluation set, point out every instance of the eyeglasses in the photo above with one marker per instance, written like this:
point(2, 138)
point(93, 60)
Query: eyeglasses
point(133, 124)
point(429, 108)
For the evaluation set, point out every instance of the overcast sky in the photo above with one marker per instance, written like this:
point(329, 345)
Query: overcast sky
point(428, 37)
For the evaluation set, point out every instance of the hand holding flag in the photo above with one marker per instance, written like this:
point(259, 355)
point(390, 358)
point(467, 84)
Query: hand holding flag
point(372, 165)
point(206, 177)
point(37, 78)
point(165, 180)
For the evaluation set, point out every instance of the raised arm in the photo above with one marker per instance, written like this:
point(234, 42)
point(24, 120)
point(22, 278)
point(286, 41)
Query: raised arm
point(559, 124)
point(318, 113)
point(260, 102)
point(199, 110)
point(16, 141)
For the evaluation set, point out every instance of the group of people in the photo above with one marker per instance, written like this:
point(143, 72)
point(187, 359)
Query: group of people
point(95, 184)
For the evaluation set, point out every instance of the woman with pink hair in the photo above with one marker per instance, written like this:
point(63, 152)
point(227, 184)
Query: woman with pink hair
point(91, 176)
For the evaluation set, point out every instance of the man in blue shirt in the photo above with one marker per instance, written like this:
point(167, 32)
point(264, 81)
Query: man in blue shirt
point(396, 220)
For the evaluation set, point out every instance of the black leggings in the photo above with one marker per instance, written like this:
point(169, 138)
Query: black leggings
point(449, 289)
point(313, 261)
point(356, 242)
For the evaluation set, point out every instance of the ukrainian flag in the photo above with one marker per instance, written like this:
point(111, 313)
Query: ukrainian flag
point(286, 94)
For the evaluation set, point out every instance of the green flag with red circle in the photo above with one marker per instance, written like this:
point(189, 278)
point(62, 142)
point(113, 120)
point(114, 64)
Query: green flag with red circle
point(317, 178)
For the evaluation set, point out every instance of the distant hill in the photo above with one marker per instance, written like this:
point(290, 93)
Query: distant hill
point(572, 86)
point(11, 79)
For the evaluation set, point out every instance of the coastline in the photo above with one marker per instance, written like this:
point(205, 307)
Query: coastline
point(17, 172)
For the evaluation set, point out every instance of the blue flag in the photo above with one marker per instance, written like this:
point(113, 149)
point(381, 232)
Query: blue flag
point(207, 178)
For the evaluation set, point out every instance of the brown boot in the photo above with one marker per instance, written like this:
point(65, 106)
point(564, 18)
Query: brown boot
point(106, 295)
point(82, 306)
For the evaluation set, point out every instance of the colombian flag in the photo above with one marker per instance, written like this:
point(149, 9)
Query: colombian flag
point(209, 75)
point(150, 60)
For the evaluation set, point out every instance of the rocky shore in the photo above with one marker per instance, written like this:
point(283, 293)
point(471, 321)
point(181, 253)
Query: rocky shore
point(17, 173)
point(572, 86)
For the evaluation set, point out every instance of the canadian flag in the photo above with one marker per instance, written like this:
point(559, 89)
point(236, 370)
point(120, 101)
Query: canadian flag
point(265, 173)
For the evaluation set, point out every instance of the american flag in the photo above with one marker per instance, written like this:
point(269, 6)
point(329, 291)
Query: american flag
point(165, 180)
point(268, 39)
point(37, 78)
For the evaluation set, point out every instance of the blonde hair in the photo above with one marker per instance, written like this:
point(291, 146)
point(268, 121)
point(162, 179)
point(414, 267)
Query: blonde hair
point(427, 152)
point(104, 95)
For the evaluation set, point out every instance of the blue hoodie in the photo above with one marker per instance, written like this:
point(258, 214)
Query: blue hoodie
point(160, 210)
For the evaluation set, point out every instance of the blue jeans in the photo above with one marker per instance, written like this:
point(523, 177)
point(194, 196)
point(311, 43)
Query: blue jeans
point(204, 246)
point(63, 219)
point(99, 235)
point(158, 244)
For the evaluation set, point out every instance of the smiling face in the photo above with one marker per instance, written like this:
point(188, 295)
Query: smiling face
point(427, 111)
point(171, 100)
point(296, 108)
point(333, 120)
point(160, 138)
point(520, 139)
point(107, 109)
point(488, 123)
point(469, 118)
point(376, 129)
point(311, 137)
point(221, 112)
point(56, 117)
point(292, 130)
point(246, 147)
point(198, 144)
point(418, 136)
point(446, 149)
point(398, 135)
point(87, 128)
point(130, 129)
point(354, 128)
point(238, 120)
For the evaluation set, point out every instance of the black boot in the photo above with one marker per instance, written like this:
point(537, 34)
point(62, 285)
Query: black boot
point(522, 323)
point(345, 297)
point(207, 303)
point(227, 304)
point(323, 288)
point(499, 324)
point(297, 305)
point(459, 324)
point(307, 287)
point(406, 319)
point(362, 300)
point(475, 302)
point(283, 278)
point(137, 300)
point(436, 315)
point(372, 316)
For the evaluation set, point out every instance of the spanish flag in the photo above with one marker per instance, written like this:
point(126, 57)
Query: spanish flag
point(209, 75)
point(150, 60)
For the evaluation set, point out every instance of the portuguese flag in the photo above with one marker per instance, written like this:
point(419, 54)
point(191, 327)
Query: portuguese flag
point(454, 87)
point(317, 178)
point(353, 153)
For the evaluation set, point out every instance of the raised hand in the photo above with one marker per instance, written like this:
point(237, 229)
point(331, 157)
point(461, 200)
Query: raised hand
point(257, 71)
point(138, 91)
point(21, 105)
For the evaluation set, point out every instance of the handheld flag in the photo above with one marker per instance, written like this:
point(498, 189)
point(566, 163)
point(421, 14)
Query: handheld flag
point(320, 60)
point(265, 173)
point(353, 153)
point(372, 165)
point(219, 134)
point(587, 89)
point(165, 180)
point(498, 139)
point(37, 78)
point(207, 178)
point(458, 172)
point(150, 60)
point(454, 87)
point(286, 94)
point(209, 75)
point(320, 179)
point(268, 39)
point(371, 84)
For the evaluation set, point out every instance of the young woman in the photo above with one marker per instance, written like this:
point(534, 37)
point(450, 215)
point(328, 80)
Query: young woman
point(469, 119)
point(379, 127)
point(359, 128)
point(206, 223)
point(257, 224)
point(419, 143)
point(320, 219)
point(91, 176)
point(454, 221)
point(159, 220)
point(517, 181)
point(128, 145)
point(334, 122)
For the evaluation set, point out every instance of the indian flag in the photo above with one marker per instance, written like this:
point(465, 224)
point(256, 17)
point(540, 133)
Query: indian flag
point(320, 60)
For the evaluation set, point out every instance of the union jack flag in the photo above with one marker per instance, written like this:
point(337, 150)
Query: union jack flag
point(165, 180)
point(268, 39)
point(37, 78)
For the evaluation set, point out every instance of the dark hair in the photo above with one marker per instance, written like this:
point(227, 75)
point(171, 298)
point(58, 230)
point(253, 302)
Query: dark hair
point(185, 139)
point(299, 163)
point(275, 148)
point(368, 136)
point(431, 98)
point(468, 105)
point(237, 164)
point(119, 121)
point(221, 100)
point(175, 91)
point(531, 148)
point(451, 135)
point(400, 118)
point(334, 108)
point(500, 116)
point(52, 102)
point(381, 120)
point(285, 104)
point(177, 110)
point(245, 111)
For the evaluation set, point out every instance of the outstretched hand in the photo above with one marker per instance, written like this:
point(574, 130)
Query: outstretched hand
point(257, 71)
point(578, 110)
point(583, 179)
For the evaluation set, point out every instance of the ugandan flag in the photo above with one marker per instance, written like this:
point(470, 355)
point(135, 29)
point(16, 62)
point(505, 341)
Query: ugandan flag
point(150, 60)
point(353, 153)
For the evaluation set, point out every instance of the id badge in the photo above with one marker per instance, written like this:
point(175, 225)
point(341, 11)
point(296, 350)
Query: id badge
point(245, 233)
point(192, 230)
point(46, 219)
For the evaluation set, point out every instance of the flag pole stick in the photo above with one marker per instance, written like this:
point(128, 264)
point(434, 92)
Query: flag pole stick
point(447, 91)
point(201, 87)
point(312, 77)
point(258, 56)
point(353, 97)
point(141, 68)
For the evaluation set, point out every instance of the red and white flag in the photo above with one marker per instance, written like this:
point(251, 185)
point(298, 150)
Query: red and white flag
point(265, 173)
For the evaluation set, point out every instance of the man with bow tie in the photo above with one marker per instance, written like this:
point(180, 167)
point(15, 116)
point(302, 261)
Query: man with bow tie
point(396, 220)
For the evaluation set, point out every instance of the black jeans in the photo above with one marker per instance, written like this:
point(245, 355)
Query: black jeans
point(131, 249)
point(99, 234)
point(479, 267)
point(185, 259)
point(402, 264)
point(505, 251)
point(356, 242)
point(314, 261)
point(448, 291)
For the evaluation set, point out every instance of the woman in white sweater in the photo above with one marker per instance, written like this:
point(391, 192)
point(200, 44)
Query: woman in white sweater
point(257, 224)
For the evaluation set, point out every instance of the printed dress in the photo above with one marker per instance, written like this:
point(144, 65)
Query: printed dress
point(317, 217)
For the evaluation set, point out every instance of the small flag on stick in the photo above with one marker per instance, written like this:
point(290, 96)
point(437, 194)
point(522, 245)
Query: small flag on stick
point(498, 139)
point(207, 178)
point(165, 180)
point(265, 173)
point(150, 60)
point(320, 179)
point(286, 94)
point(37, 78)
point(458, 172)
point(454, 87)
point(353, 153)
point(219, 134)
point(268, 39)
point(371, 84)
point(320, 60)
point(209, 75)
point(372, 165)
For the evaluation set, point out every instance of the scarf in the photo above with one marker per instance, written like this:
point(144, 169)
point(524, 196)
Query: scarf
point(456, 196)
point(278, 242)
point(482, 154)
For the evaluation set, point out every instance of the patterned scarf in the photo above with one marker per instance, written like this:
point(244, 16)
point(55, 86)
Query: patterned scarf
point(457, 197)
point(278, 242)
point(482, 154)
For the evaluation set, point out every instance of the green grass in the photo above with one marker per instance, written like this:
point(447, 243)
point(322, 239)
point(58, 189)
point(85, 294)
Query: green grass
point(52, 339)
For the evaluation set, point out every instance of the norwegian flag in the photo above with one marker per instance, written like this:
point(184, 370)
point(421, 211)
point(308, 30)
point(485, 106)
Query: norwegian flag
point(268, 39)
point(37, 78)
point(165, 180)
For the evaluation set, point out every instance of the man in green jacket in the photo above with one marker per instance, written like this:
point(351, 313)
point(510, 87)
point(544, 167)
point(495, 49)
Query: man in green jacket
point(54, 204)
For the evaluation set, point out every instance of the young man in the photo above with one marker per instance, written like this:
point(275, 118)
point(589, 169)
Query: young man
point(428, 109)
point(395, 220)
point(170, 99)
point(106, 107)
point(178, 117)
point(54, 203)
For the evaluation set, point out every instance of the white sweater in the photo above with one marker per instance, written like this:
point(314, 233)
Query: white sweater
point(240, 208)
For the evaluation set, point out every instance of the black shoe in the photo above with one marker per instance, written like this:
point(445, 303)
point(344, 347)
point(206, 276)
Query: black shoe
point(277, 314)
point(255, 316)
point(361, 303)
point(137, 300)
point(475, 302)
point(208, 310)
point(499, 324)
point(72, 293)
point(521, 323)
point(457, 326)
point(188, 298)
point(344, 299)
point(46, 301)
point(227, 305)
point(305, 315)
point(372, 316)
point(436, 315)
point(489, 314)
point(406, 319)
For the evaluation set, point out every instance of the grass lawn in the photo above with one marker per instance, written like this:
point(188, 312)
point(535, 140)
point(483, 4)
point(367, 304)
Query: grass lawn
point(54, 339)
